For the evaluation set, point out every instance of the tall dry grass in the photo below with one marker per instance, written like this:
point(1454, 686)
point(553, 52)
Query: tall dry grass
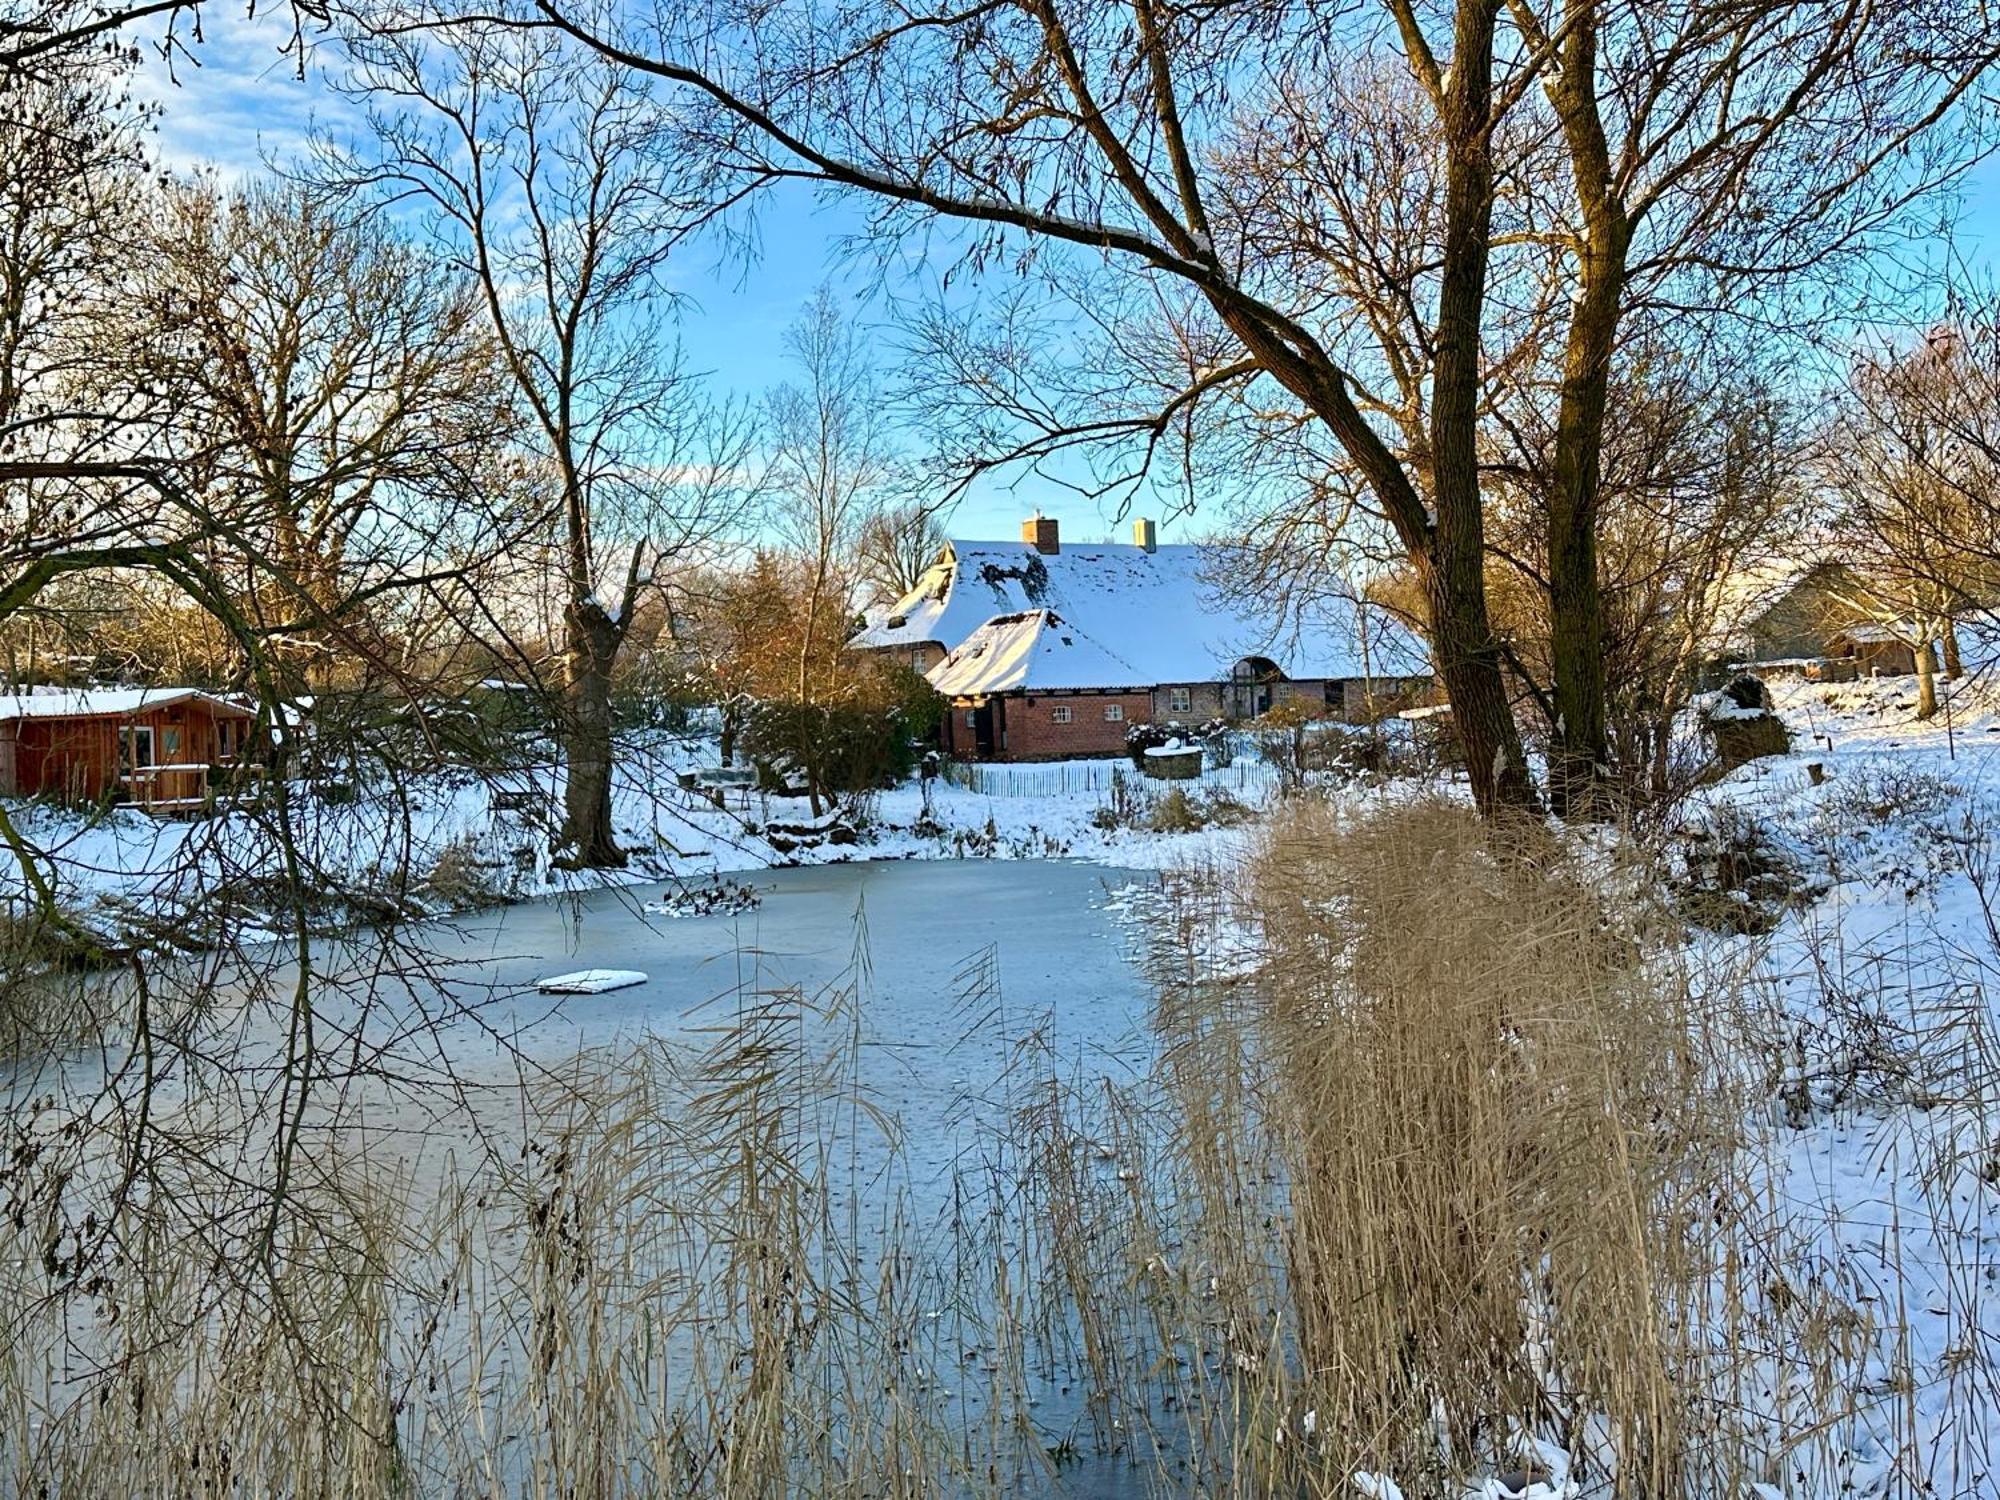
point(1524, 1213)
point(1502, 1121)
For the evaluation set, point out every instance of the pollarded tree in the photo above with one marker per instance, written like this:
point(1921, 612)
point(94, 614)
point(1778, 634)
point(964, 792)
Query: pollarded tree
point(1352, 227)
point(544, 175)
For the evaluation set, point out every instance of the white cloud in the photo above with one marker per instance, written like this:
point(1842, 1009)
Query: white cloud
point(234, 99)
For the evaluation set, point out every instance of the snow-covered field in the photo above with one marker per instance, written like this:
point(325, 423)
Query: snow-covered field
point(1881, 975)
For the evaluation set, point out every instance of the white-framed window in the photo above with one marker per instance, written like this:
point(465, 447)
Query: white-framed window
point(138, 745)
point(1180, 700)
point(972, 718)
point(1061, 713)
point(1114, 713)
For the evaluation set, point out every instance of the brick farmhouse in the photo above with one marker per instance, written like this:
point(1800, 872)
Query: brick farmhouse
point(1046, 650)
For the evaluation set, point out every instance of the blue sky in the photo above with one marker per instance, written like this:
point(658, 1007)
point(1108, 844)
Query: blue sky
point(245, 103)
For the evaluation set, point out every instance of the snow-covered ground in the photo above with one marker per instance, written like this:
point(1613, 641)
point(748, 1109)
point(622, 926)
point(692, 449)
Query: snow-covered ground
point(1860, 873)
point(1873, 856)
point(447, 840)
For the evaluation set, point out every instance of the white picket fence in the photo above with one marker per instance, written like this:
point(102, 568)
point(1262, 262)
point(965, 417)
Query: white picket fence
point(1246, 778)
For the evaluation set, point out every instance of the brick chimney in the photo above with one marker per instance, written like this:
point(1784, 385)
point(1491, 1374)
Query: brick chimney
point(1039, 531)
point(1144, 535)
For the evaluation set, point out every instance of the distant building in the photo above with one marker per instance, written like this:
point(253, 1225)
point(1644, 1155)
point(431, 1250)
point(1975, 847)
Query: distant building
point(1806, 615)
point(1046, 650)
point(157, 748)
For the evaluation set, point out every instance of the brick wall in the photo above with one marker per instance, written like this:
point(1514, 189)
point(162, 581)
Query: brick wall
point(1025, 725)
point(1204, 702)
point(1032, 733)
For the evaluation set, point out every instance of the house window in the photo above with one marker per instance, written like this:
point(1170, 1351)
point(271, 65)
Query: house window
point(138, 745)
point(1180, 700)
point(1114, 713)
point(1061, 713)
point(972, 718)
point(170, 741)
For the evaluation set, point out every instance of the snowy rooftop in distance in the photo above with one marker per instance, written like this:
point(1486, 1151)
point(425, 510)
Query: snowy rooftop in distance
point(1128, 617)
point(84, 703)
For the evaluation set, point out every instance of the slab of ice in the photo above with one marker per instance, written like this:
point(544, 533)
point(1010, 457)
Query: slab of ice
point(590, 981)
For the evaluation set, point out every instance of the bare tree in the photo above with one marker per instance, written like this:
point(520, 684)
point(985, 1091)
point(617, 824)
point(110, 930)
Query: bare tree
point(71, 175)
point(1911, 462)
point(544, 175)
point(831, 461)
point(1696, 480)
point(1355, 251)
point(895, 548)
point(337, 392)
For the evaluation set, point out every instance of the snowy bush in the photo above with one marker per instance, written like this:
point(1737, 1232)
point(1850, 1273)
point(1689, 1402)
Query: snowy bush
point(1736, 874)
point(464, 878)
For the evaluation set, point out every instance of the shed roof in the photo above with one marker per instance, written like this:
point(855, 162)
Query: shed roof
point(99, 703)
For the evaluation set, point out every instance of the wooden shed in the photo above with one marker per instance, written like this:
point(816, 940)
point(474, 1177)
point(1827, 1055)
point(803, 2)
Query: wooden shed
point(158, 748)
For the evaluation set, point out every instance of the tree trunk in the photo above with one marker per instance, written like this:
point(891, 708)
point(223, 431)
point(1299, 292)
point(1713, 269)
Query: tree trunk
point(808, 739)
point(1579, 751)
point(1954, 664)
point(1454, 572)
point(1927, 704)
point(594, 639)
point(1468, 663)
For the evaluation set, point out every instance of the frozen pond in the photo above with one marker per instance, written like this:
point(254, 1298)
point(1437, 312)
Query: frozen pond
point(952, 998)
point(428, 1033)
point(954, 964)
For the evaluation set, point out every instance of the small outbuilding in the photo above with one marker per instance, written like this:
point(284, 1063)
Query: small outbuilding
point(158, 748)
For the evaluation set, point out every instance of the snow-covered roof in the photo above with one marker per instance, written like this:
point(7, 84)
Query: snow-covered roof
point(1038, 648)
point(88, 703)
point(1128, 617)
point(1872, 633)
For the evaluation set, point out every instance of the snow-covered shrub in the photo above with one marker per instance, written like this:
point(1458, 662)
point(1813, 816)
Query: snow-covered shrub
point(1125, 804)
point(463, 878)
point(1741, 723)
point(1736, 874)
point(1281, 735)
point(1177, 812)
point(1894, 791)
point(1184, 811)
